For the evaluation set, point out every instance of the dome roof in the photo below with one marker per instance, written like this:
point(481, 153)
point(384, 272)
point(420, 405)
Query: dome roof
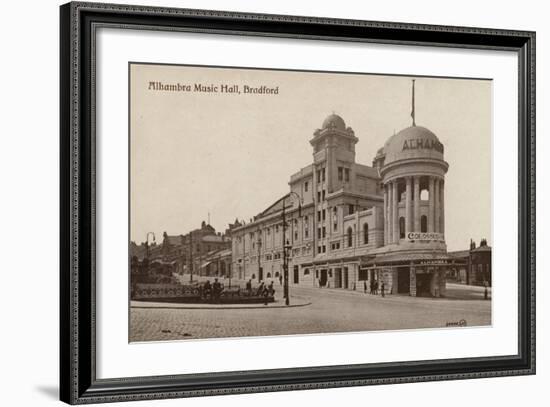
point(413, 142)
point(334, 121)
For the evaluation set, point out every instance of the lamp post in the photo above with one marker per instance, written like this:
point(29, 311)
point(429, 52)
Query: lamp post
point(259, 243)
point(286, 244)
point(147, 242)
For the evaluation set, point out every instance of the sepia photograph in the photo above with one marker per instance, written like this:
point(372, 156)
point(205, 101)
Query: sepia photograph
point(282, 202)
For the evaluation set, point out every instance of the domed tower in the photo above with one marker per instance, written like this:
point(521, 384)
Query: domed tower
point(413, 171)
point(334, 143)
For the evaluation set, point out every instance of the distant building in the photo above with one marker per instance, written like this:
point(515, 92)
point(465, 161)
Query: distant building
point(217, 264)
point(191, 249)
point(472, 266)
point(181, 253)
point(349, 224)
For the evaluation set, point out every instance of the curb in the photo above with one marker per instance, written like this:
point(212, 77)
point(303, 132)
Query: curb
point(266, 307)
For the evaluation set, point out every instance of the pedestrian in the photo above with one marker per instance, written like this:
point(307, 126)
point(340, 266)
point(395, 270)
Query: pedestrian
point(280, 279)
point(260, 289)
point(382, 288)
point(249, 287)
point(207, 289)
point(365, 287)
point(271, 289)
point(376, 287)
point(216, 290)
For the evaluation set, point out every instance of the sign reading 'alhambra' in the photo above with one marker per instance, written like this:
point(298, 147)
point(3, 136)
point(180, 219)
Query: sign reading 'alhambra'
point(424, 144)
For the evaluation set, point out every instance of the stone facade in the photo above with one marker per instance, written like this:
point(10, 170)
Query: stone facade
point(348, 224)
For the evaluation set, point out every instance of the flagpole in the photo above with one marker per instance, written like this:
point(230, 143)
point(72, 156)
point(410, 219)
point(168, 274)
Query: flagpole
point(412, 111)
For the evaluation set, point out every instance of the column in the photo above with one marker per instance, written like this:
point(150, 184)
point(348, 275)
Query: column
point(408, 207)
point(437, 206)
point(442, 207)
point(412, 284)
point(416, 204)
point(385, 214)
point(395, 216)
point(431, 206)
point(390, 213)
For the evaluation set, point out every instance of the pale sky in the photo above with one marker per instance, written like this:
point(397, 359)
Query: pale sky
point(232, 155)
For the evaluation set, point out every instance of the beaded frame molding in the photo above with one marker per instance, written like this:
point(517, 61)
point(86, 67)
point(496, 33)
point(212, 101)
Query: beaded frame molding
point(78, 381)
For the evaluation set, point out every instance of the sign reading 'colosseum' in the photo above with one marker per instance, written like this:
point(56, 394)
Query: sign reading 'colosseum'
point(425, 144)
point(426, 236)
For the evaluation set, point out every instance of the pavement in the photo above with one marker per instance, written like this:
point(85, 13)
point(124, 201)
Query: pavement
point(278, 303)
point(330, 310)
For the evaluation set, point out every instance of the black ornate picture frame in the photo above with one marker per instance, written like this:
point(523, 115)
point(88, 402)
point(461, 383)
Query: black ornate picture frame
point(79, 22)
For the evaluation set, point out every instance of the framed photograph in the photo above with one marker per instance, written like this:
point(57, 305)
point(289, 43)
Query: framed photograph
point(255, 203)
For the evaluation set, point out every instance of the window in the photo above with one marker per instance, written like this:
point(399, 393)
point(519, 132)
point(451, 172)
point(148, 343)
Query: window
point(323, 172)
point(324, 232)
point(324, 249)
point(340, 174)
point(365, 233)
point(346, 174)
point(295, 235)
point(335, 226)
point(306, 272)
point(363, 275)
point(324, 214)
point(351, 209)
point(423, 224)
point(401, 227)
point(306, 184)
point(350, 237)
point(324, 194)
point(318, 195)
point(319, 233)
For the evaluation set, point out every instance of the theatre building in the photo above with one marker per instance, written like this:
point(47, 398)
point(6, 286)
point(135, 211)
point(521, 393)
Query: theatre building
point(348, 224)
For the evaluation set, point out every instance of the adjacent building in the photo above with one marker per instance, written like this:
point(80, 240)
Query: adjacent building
point(348, 224)
point(472, 266)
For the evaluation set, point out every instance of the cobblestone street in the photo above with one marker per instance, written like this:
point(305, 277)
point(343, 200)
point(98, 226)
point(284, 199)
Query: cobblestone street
point(331, 310)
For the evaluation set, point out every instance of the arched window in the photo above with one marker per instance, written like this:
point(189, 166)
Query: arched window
point(401, 227)
point(423, 223)
point(424, 195)
point(365, 233)
point(350, 237)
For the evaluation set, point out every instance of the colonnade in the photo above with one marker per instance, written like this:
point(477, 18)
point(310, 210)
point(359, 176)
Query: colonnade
point(413, 214)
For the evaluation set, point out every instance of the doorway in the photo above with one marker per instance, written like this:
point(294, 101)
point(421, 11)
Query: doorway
point(423, 282)
point(296, 275)
point(323, 279)
point(403, 281)
point(338, 278)
point(345, 278)
point(260, 274)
